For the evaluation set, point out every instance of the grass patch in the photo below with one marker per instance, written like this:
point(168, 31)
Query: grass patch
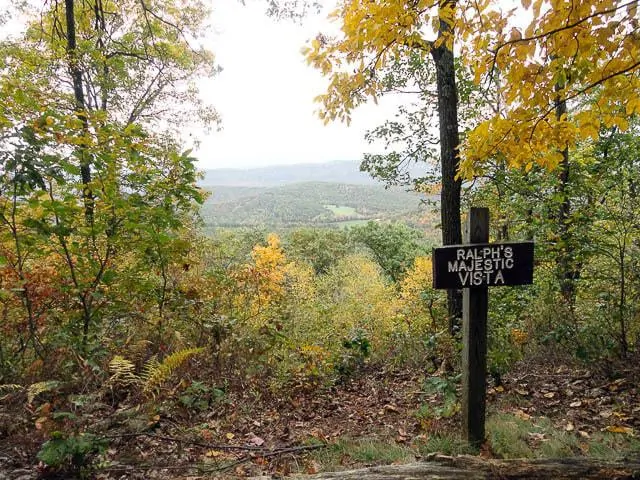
point(611, 446)
point(373, 452)
point(347, 453)
point(445, 445)
point(514, 437)
point(508, 436)
point(341, 210)
point(354, 453)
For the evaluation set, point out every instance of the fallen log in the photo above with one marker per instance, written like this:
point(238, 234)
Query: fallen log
point(474, 468)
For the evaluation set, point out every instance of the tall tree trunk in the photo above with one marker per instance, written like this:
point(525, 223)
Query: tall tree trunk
point(565, 270)
point(449, 141)
point(568, 270)
point(85, 159)
point(81, 107)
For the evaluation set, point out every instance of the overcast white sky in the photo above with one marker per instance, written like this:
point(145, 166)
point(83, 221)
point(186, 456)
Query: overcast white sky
point(265, 95)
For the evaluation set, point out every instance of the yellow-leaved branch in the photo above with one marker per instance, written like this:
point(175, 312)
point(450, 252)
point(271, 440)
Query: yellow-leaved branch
point(585, 54)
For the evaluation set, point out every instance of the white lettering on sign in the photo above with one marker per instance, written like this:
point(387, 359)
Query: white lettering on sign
point(482, 266)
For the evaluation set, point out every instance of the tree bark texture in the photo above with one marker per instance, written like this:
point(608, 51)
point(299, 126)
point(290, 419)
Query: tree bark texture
point(449, 142)
point(475, 468)
point(568, 269)
point(80, 104)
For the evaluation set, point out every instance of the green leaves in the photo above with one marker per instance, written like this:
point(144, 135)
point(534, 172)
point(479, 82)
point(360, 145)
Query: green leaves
point(393, 246)
point(72, 451)
point(98, 192)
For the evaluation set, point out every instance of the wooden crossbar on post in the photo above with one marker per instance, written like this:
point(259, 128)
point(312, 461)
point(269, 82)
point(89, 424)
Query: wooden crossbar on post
point(475, 305)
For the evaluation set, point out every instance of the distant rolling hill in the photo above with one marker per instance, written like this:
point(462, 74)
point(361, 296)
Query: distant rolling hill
point(325, 194)
point(307, 203)
point(339, 172)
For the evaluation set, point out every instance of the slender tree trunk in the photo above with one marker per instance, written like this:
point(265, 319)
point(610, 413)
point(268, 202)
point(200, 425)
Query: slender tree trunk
point(81, 107)
point(19, 269)
point(449, 141)
point(101, 29)
point(530, 231)
point(564, 250)
point(503, 219)
point(622, 308)
point(85, 159)
point(568, 271)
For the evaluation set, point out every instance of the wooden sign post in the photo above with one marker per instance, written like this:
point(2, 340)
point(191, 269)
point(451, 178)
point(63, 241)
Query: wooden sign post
point(475, 307)
point(474, 267)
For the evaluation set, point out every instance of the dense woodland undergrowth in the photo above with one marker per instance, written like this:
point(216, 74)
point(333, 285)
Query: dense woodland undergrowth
point(112, 300)
point(191, 325)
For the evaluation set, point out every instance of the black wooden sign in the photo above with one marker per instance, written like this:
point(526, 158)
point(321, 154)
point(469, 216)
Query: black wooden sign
point(483, 265)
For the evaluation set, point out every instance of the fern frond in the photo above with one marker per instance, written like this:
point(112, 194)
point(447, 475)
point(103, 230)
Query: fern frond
point(40, 387)
point(122, 371)
point(156, 373)
point(10, 387)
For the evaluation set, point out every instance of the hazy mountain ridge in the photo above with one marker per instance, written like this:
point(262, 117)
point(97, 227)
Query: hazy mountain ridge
point(346, 172)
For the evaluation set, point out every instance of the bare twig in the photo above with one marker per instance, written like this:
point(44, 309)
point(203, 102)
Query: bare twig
point(254, 452)
point(264, 451)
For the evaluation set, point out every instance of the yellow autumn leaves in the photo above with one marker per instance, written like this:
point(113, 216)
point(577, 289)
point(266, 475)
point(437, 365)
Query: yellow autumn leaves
point(309, 309)
point(585, 55)
point(535, 56)
point(372, 35)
